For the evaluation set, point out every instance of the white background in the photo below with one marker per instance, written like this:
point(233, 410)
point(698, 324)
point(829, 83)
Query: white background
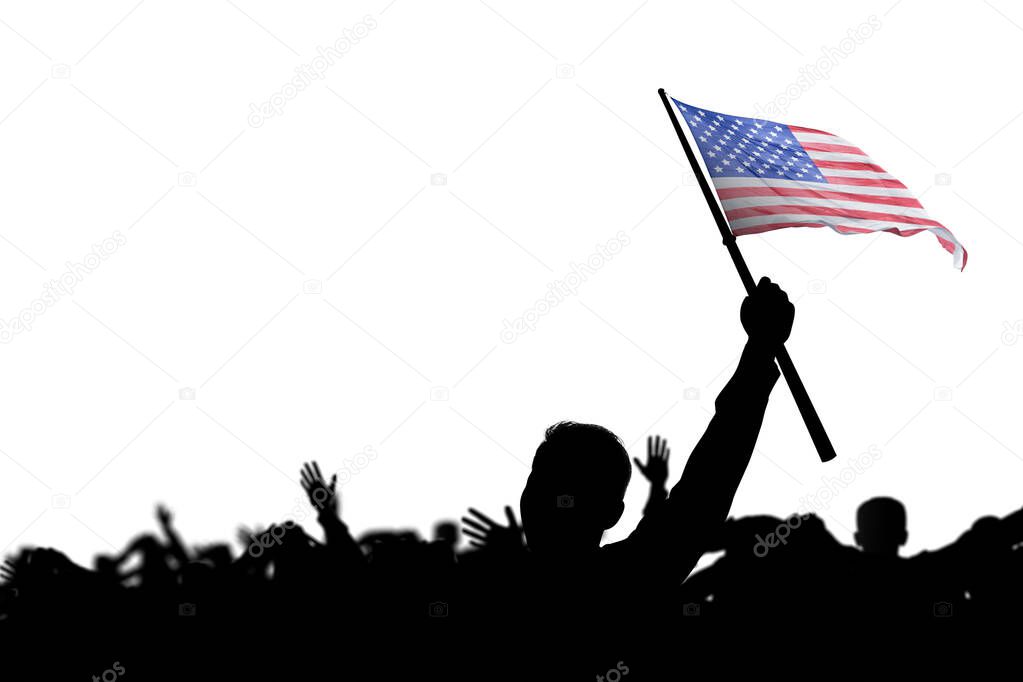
point(544, 121)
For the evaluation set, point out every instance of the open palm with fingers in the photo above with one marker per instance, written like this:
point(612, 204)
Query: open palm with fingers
point(485, 533)
point(656, 468)
point(322, 496)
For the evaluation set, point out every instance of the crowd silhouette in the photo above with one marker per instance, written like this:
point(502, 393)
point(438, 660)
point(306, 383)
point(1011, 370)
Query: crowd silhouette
point(517, 594)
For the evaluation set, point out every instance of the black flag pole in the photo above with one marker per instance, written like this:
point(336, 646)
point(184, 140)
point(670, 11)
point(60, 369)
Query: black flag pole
point(813, 422)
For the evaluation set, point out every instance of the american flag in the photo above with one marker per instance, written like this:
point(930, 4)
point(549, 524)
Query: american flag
point(771, 175)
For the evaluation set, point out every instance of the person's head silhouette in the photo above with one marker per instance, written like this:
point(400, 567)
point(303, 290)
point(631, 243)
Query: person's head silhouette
point(446, 533)
point(881, 526)
point(576, 489)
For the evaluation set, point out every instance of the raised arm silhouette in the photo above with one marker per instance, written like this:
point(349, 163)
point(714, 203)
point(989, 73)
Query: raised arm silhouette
point(575, 492)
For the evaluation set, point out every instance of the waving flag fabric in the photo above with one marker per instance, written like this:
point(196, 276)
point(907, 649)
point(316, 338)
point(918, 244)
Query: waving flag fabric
point(771, 175)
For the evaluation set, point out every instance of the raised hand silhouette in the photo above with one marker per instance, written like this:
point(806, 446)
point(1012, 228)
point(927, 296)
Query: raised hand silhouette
point(163, 515)
point(656, 471)
point(9, 570)
point(174, 544)
point(322, 496)
point(343, 549)
point(656, 468)
point(767, 315)
point(485, 533)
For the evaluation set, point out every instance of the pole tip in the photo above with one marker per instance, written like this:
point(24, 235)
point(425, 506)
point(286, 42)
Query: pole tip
point(660, 91)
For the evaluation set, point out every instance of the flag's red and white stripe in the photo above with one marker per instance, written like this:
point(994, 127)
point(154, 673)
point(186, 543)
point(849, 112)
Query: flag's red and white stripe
point(860, 196)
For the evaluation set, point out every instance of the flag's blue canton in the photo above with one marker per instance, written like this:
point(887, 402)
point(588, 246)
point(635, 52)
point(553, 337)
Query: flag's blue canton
point(737, 147)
